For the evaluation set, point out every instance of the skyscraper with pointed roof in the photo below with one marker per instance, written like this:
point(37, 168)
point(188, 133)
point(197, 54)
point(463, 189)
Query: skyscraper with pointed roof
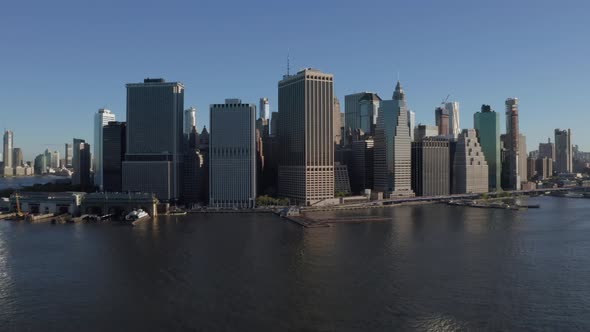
point(392, 152)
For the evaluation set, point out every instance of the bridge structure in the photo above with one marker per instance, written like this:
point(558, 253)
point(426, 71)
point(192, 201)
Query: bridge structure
point(101, 203)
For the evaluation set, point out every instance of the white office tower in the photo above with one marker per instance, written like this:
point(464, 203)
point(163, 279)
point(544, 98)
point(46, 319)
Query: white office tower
point(232, 153)
point(101, 119)
point(190, 120)
point(264, 109)
point(454, 124)
point(8, 153)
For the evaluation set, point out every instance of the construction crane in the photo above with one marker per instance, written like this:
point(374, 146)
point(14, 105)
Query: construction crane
point(19, 212)
point(445, 100)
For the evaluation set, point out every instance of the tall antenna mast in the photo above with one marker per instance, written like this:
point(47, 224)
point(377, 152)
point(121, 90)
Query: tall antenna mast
point(288, 64)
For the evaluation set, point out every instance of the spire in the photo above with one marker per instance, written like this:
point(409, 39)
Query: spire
point(399, 94)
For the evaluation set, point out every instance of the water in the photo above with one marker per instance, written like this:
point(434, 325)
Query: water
point(432, 268)
point(25, 181)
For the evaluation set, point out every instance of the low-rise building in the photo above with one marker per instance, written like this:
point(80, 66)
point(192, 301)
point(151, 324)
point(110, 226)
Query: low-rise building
point(46, 202)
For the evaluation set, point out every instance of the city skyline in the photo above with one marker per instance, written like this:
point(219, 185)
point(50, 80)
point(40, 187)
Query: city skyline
point(471, 75)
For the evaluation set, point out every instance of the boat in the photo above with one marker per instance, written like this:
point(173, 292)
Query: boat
point(136, 215)
point(177, 213)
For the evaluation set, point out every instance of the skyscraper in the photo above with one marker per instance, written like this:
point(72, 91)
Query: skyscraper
point(368, 111)
point(337, 124)
point(421, 131)
point(522, 159)
point(511, 144)
point(69, 152)
point(392, 152)
point(441, 116)
point(470, 170)
point(264, 109)
point(547, 150)
point(412, 123)
point(54, 160)
point(361, 168)
point(487, 126)
point(452, 109)
point(7, 153)
point(430, 167)
point(153, 162)
point(563, 151)
point(81, 163)
point(352, 113)
point(113, 140)
point(306, 109)
point(101, 119)
point(18, 157)
point(232, 175)
point(190, 120)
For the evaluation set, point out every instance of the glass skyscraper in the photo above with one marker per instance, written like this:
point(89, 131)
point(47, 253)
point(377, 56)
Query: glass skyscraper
point(487, 125)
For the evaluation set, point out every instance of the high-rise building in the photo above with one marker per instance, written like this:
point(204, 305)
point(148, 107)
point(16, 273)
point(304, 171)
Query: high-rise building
point(194, 171)
point(81, 161)
point(17, 157)
point(511, 144)
point(113, 141)
point(441, 116)
point(431, 167)
point(421, 131)
point(190, 120)
point(75, 160)
point(337, 124)
point(522, 159)
point(7, 152)
point(232, 172)
point(55, 159)
point(392, 152)
point(531, 165)
point(368, 112)
point(452, 109)
point(352, 113)
point(306, 106)
point(40, 165)
point(69, 153)
point(487, 126)
point(470, 170)
point(361, 167)
point(544, 168)
point(547, 150)
point(563, 151)
point(412, 123)
point(262, 127)
point(274, 124)
point(153, 163)
point(264, 109)
point(101, 119)
point(341, 179)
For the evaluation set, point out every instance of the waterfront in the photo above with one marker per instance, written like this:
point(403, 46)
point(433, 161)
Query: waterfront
point(26, 181)
point(432, 267)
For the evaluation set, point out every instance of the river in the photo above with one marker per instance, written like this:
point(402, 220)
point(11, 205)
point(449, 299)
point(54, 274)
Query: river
point(431, 268)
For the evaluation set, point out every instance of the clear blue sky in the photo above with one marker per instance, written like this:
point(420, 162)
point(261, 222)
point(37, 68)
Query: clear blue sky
point(62, 60)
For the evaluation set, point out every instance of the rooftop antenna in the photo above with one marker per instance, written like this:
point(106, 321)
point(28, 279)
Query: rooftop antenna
point(288, 63)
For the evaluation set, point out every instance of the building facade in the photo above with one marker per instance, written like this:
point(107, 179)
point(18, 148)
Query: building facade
point(412, 124)
point(264, 110)
point(392, 152)
point(361, 167)
point(511, 145)
point(101, 119)
point(422, 131)
point(232, 155)
point(17, 157)
point(368, 112)
point(441, 117)
point(69, 152)
point(523, 170)
point(337, 131)
point(431, 167)
point(487, 126)
point(190, 120)
point(153, 163)
point(7, 153)
point(470, 169)
point(452, 109)
point(306, 167)
point(563, 151)
point(114, 148)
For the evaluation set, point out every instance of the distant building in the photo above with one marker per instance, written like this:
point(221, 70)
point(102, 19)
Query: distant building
point(190, 120)
point(522, 156)
point(361, 168)
point(392, 152)
point(511, 145)
point(18, 157)
point(153, 163)
point(431, 167)
point(422, 131)
point(82, 164)
point(40, 165)
point(531, 165)
point(7, 152)
point(441, 116)
point(452, 108)
point(114, 148)
point(76, 176)
point(544, 168)
point(487, 126)
point(337, 124)
point(264, 109)
point(232, 172)
point(274, 124)
point(547, 150)
point(341, 180)
point(368, 112)
point(195, 177)
point(470, 170)
point(306, 106)
point(563, 151)
point(55, 159)
point(101, 119)
point(69, 153)
point(412, 124)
